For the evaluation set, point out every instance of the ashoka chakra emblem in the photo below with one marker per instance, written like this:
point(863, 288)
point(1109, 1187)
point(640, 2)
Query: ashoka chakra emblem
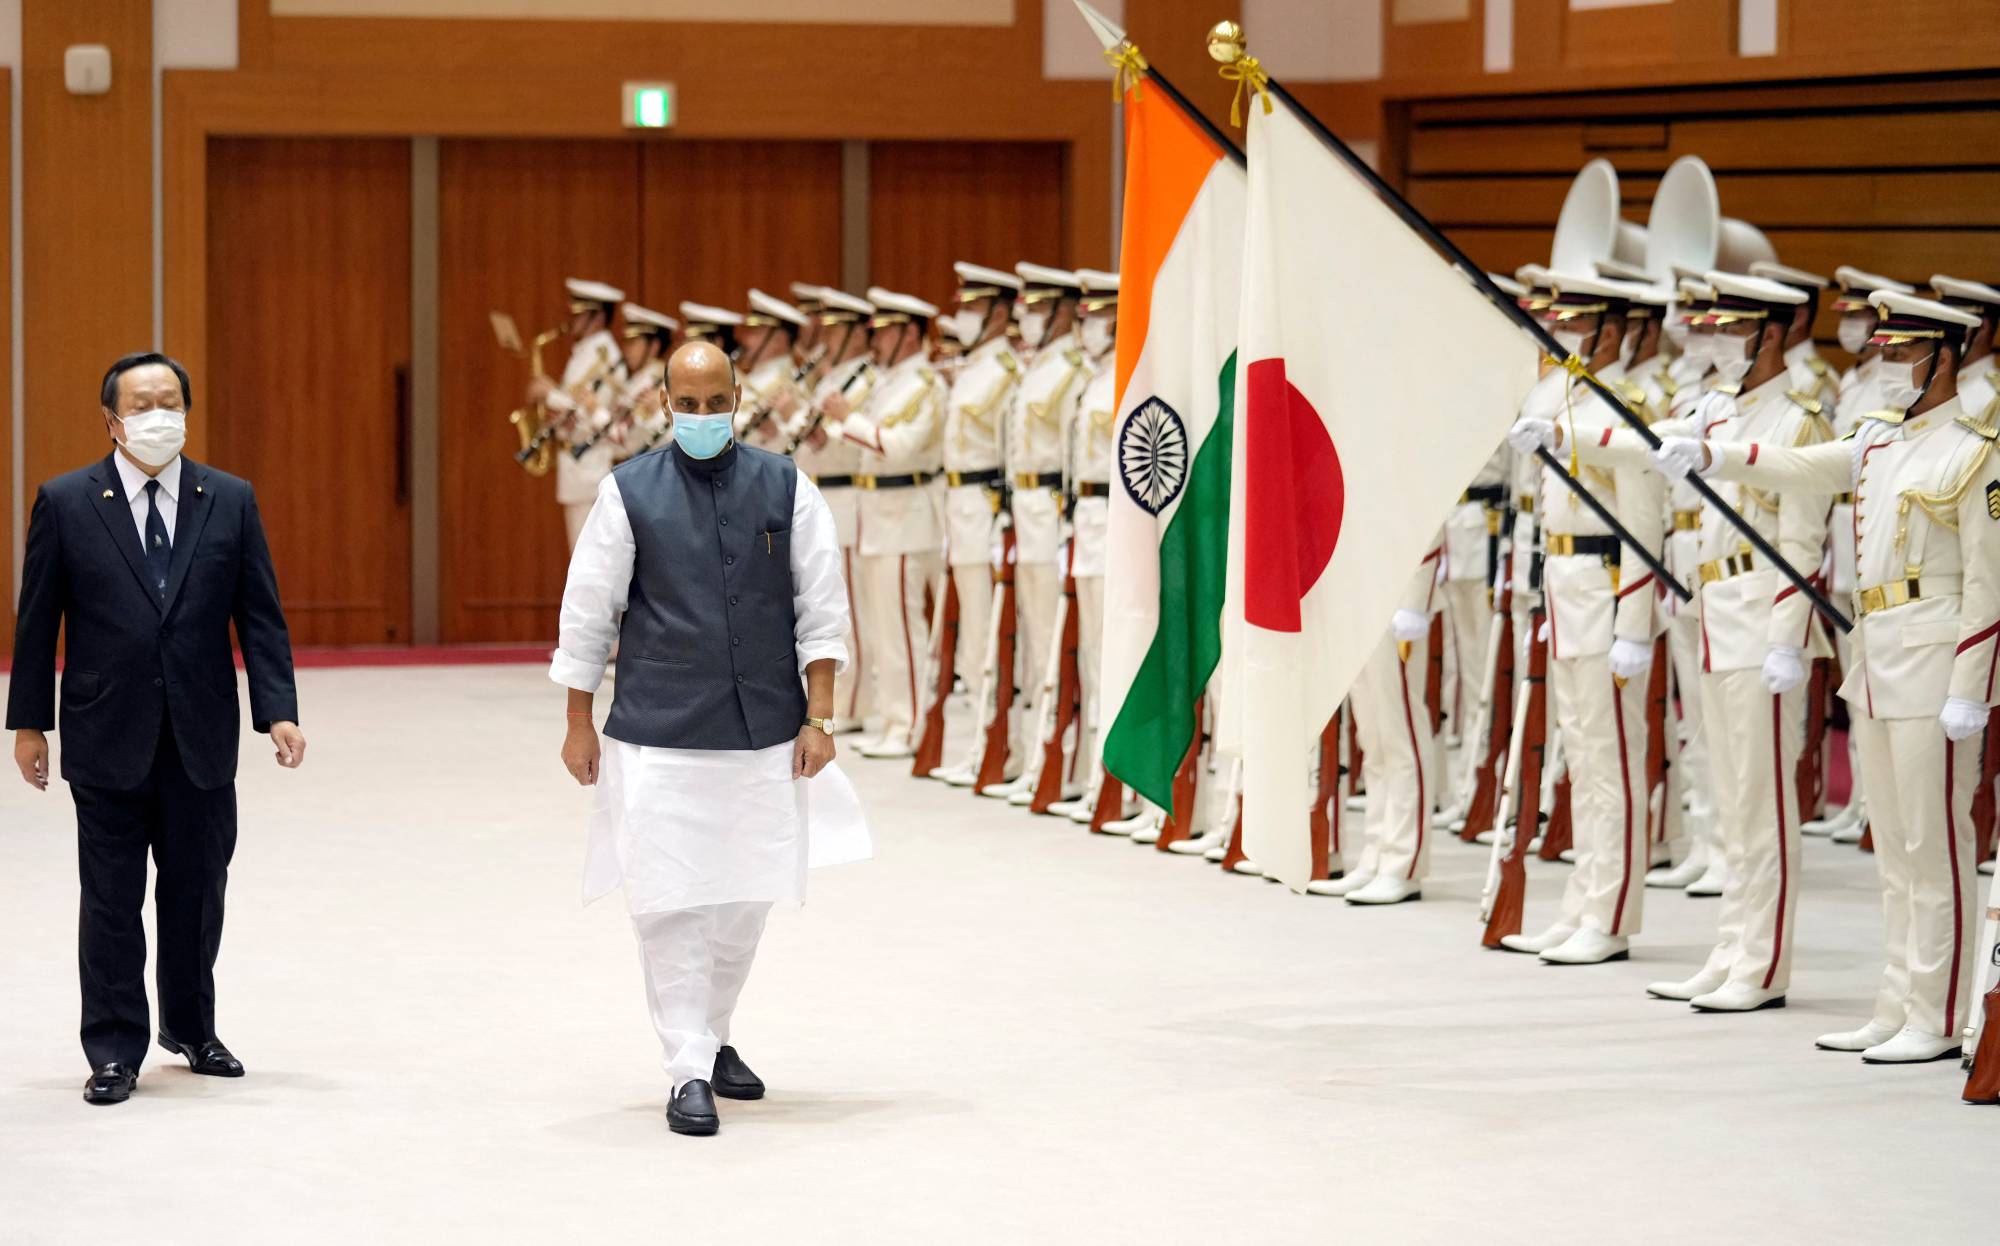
point(1153, 455)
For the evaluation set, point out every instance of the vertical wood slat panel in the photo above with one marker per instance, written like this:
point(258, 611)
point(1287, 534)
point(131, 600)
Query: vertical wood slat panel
point(514, 219)
point(309, 318)
point(7, 412)
point(721, 217)
point(86, 221)
point(936, 203)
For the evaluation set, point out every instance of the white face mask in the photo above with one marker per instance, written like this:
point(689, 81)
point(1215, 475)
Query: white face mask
point(1098, 337)
point(154, 437)
point(1854, 333)
point(1571, 341)
point(1034, 325)
point(1732, 360)
point(1628, 346)
point(1676, 330)
point(965, 326)
point(1897, 382)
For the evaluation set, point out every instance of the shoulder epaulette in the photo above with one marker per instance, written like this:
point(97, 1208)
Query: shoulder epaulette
point(1008, 361)
point(1985, 432)
point(930, 377)
point(1075, 357)
point(1806, 402)
point(1817, 365)
point(1635, 394)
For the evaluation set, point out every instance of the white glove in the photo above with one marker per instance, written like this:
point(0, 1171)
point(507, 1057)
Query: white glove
point(1532, 433)
point(1784, 669)
point(1408, 625)
point(1679, 456)
point(1629, 658)
point(1962, 719)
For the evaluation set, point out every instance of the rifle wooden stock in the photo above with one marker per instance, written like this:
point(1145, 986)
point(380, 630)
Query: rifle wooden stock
point(1179, 823)
point(1560, 836)
point(1656, 742)
point(1061, 704)
point(999, 673)
point(1983, 1043)
point(1510, 898)
point(1326, 794)
point(1434, 678)
point(1811, 777)
point(1983, 803)
point(1498, 715)
point(1868, 838)
point(943, 659)
point(1234, 852)
point(1110, 805)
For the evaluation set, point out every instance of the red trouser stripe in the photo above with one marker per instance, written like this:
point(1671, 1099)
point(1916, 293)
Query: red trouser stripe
point(909, 650)
point(1625, 782)
point(1416, 759)
point(1784, 863)
point(1957, 891)
point(854, 630)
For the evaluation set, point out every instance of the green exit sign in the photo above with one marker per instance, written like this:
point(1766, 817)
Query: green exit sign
point(649, 105)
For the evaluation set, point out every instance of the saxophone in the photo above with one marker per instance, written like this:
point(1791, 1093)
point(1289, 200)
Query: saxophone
point(532, 422)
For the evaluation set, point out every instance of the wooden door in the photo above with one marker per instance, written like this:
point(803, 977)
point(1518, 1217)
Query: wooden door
point(932, 204)
point(721, 217)
point(309, 343)
point(514, 219)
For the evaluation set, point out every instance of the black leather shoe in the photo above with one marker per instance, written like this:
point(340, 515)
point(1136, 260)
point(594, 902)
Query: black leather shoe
point(692, 1110)
point(110, 1083)
point(210, 1059)
point(733, 1078)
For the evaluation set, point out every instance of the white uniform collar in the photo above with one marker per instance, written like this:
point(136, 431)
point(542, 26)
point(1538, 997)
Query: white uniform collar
point(990, 348)
point(1797, 356)
point(135, 480)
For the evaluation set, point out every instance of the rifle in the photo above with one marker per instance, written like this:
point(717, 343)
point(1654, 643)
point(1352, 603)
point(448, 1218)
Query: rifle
point(1656, 744)
point(996, 681)
point(1983, 1086)
point(1434, 680)
point(1059, 707)
point(1983, 812)
point(1110, 805)
point(1811, 774)
point(867, 369)
point(1560, 834)
point(1505, 896)
point(1486, 747)
point(939, 676)
point(1326, 793)
point(1179, 823)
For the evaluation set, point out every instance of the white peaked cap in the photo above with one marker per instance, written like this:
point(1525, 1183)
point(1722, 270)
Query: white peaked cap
point(807, 290)
point(1897, 303)
point(635, 314)
point(1789, 275)
point(777, 309)
point(1533, 276)
point(1852, 278)
point(1756, 289)
point(1508, 286)
point(1572, 285)
point(1964, 291)
point(1652, 294)
point(1695, 290)
point(980, 275)
point(1043, 275)
point(1096, 281)
point(1621, 271)
point(908, 304)
point(841, 301)
point(593, 291)
point(700, 313)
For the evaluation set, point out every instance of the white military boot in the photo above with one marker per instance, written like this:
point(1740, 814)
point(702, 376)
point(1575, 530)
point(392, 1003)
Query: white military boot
point(887, 748)
point(1148, 831)
point(1537, 943)
point(1345, 885)
point(1911, 1046)
point(1137, 822)
point(1870, 1035)
point(1202, 844)
point(1386, 890)
point(1712, 880)
point(1703, 983)
point(1005, 791)
point(1737, 997)
point(1847, 815)
point(1248, 868)
point(1588, 947)
point(1851, 832)
point(1680, 875)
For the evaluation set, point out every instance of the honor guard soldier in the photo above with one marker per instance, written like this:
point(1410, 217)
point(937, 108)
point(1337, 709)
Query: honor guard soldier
point(642, 409)
point(594, 365)
point(1926, 487)
point(767, 361)
point(838, 349)
point(711, 324)
point(896, 428)
point(1043, 406)
point(1811, 375)
point(988, 373)
point(1979, 374)
point(1600, 644)
point(1088, 456)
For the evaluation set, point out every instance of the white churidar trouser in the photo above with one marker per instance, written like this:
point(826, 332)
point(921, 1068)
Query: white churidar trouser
point(1755, 740)
point(1397, 759)
point(853, 691)
point(1089, 652)
point(1604, 748)
point(1920, 789)
point(1690, 772)
point(1843, 652)
point(1468, 617)
point(696, 961)
point(895, 631)
point(1037, 586)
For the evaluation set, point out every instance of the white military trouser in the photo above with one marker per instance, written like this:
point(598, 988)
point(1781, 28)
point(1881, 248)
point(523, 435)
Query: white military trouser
point(853, 692)
point(1690, 771)
point(1468, 616)
point(1756, 740)
point(1398, 760)
point(1037, 587)
point(1604, 749)
point(696, 961)
point(1089, 653)
point(895, 633)
point(1920, 789)
point(1843, 651)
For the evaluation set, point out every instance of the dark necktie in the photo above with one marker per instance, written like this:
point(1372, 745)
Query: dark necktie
point(159, 550)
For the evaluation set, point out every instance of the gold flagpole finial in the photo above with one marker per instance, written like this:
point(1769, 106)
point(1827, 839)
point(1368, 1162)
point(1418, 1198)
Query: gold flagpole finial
point(1226, 45)
point(1130, 68)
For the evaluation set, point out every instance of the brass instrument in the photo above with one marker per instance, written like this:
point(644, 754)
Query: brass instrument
point(531, 421)
point(865, 371)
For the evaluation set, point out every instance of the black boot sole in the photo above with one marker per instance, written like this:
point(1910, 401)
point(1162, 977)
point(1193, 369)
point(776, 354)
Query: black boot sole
point(698, 1127)
point(742, 1094)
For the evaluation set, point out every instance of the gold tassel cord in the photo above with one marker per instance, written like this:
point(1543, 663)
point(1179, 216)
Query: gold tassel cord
point(1129, 69)
point(1247, 74)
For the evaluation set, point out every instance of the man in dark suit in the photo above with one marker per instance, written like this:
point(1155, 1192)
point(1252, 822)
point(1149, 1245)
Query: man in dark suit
point(145, 558)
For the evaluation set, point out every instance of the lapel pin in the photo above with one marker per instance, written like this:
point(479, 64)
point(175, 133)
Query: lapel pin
point(197, 488)
point(109, 494)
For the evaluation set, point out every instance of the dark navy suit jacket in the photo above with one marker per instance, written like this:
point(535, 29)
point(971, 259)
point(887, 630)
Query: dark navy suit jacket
point(132, 662)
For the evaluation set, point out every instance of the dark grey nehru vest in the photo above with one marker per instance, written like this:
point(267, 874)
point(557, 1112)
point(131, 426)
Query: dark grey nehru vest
point(706, 657)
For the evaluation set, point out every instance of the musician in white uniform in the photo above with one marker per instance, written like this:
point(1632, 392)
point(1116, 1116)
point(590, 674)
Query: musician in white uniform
point(594, 368)
point(641, 422)
point(702, 323)
point(772, 372)
point(1926, 487)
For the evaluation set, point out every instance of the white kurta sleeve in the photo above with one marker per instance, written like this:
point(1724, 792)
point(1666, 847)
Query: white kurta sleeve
point(819, 582)
point(600, 578)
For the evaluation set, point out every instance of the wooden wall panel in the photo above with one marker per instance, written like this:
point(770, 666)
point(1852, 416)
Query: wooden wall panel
point(87, 223)
point(720, 217)
point(309, 264)
point(515, 219)
point(7, 370)
point(937, 203)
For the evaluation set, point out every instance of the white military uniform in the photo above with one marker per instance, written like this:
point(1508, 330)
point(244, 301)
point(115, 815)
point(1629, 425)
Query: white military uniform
point(832, 465)
point(594, 372)
point(1398, 753)
point(1927, 533)
point(702, 842)
point(896, 429)
point(1467, 599)
point(1090, 471)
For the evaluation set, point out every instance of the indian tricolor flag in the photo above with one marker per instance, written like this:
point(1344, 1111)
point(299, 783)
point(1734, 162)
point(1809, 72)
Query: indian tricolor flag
point(1168, 534)
point(1376, 382)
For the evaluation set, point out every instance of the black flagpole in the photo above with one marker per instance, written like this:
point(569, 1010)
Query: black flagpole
point(1422, 225)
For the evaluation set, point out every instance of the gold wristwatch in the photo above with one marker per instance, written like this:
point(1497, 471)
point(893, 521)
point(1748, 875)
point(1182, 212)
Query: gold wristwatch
point(824, 724)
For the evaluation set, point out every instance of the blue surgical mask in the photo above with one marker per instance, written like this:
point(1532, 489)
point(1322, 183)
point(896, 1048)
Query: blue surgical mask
point(703, 436)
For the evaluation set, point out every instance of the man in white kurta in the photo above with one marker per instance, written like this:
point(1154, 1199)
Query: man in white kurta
point(717, 569)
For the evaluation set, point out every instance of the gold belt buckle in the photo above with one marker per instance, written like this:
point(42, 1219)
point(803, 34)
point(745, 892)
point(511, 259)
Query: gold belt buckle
point(954, 479)
point(1525, 504)
point(1492, 522)
point(1687, 521)
point(1561, 544)
point(864, 482)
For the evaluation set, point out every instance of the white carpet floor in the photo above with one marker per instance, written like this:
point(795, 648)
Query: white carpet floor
point(1004, 1029)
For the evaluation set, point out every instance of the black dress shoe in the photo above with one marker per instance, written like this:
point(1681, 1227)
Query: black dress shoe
point(110, 1083)
point(210, 1059)
point(692, 1110)
point(733, 1078)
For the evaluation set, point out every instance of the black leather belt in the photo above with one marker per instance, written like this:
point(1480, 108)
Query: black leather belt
point(1561, 544)
point(1491, 495)
point(987, 476)
point(1038, 480)
point(833, 482)
point(890, 482)
point(1092, 489)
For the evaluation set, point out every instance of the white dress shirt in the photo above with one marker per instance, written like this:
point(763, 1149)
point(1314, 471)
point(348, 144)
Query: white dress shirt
point(135, 480)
